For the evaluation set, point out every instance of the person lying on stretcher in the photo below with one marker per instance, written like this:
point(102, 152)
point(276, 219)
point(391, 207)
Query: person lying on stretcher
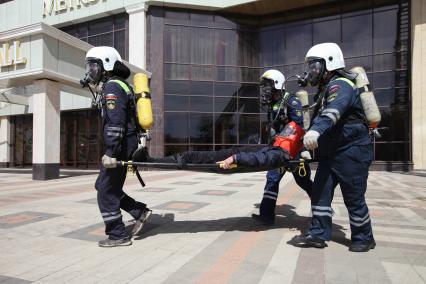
point(286, 146)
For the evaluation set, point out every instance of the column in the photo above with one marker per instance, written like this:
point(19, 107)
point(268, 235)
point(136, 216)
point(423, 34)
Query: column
point(137, 34)
point(418, 87)
point(5, 138)
point(46, 130)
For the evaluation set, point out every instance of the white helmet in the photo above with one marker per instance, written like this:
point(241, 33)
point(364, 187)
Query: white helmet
point(275, 76)
point(330, 52)
point(108, 55)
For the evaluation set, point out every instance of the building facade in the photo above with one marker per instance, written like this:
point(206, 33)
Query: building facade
point(206, 58)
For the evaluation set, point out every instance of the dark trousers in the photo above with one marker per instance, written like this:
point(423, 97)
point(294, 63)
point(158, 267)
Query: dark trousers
point(349, 169)
point(112, 198)
point(270, 193)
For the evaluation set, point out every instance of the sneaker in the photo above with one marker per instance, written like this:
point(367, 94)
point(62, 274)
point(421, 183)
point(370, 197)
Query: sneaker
point(108, 243)
point(137, 227)
point(262, 220)
point(362, 247)
point(307, 241)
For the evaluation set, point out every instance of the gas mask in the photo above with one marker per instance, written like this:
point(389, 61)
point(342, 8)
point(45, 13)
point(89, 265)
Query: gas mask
point(267, 91)
point(314, 72)
point(93, 73)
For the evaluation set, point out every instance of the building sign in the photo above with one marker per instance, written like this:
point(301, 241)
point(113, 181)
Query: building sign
point(63, 6)
point(11, 54)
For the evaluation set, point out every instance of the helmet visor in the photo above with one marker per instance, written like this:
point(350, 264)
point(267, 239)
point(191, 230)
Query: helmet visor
point(314, 71)
point(266, 91)
point(93, 71)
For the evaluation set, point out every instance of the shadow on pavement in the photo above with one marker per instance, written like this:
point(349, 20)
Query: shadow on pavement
point(286, 218)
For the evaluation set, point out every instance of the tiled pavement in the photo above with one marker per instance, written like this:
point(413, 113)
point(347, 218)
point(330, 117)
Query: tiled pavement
point(201, 232)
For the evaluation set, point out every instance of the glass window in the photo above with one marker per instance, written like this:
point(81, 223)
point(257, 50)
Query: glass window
point(202, 88)
point(249, 105)
point(385, 31)
point(202, 72)
point(176, 103)
point(226, 104)
point(176, 127)
point(225, 126)
point(226, 89)
point(227, 74)
point(249, 129)
point(201, 128)
point(357, 38)
point(226, 47)
point(249, 90)
point(213, 62)
point(100, 27)
point(202, 46)
point(172, 17)
point(384, 62)
point(327, 31)
point(203, 104)
point(202, 20)
point(101, 40)
point(109, 31)
point(176, 87)
point(177, 44)
point(176, 71)
point(298, 40)
point(272, 47)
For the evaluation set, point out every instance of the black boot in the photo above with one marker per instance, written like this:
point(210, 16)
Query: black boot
point(308, 241)
point(363, 247)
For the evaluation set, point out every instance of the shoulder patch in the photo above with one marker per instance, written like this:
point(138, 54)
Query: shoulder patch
point(331, 97)
point(111, 97)
point(333, 89)
point(294, 103)
point(111, 101)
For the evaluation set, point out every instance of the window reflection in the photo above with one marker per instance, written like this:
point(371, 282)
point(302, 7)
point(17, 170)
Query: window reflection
point(176, 127)
point(225, 126)
point(249, 129)
point(216, 64)
point(201, 128)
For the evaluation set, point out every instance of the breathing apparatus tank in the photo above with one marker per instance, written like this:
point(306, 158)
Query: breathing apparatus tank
point(369, 105)
point(302, 95)
point(143, 102)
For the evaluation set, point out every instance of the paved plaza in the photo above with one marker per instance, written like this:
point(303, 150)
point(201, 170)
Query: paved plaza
point(201, 232)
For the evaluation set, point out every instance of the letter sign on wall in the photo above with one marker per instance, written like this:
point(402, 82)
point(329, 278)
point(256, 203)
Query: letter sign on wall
point(11, 54)
point(59, 6)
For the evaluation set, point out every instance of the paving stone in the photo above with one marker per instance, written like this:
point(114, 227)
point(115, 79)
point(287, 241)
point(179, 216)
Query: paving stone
point(23, 218)
point(181, 206)
point(216, 192)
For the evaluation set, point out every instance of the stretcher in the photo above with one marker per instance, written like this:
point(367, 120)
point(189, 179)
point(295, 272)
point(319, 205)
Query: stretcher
point(299, 165)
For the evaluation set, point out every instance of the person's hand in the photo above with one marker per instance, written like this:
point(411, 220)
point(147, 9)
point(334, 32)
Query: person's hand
point(226, 164)
point(306, 155)
point(310, 141)
point(109, 162)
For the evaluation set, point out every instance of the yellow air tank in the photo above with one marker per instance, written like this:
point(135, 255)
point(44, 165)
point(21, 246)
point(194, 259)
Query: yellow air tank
point(143, 101)
point(369, 105)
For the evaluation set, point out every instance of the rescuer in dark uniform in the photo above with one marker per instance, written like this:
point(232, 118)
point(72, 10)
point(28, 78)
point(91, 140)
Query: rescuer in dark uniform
point(340, 132)
point(104, 64)
point(282, 109)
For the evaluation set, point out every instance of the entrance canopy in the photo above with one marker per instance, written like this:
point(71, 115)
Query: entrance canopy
point(36, 52)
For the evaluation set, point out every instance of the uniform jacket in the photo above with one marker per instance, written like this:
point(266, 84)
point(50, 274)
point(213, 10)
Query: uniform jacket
point(340, 120)
point(119, 131)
